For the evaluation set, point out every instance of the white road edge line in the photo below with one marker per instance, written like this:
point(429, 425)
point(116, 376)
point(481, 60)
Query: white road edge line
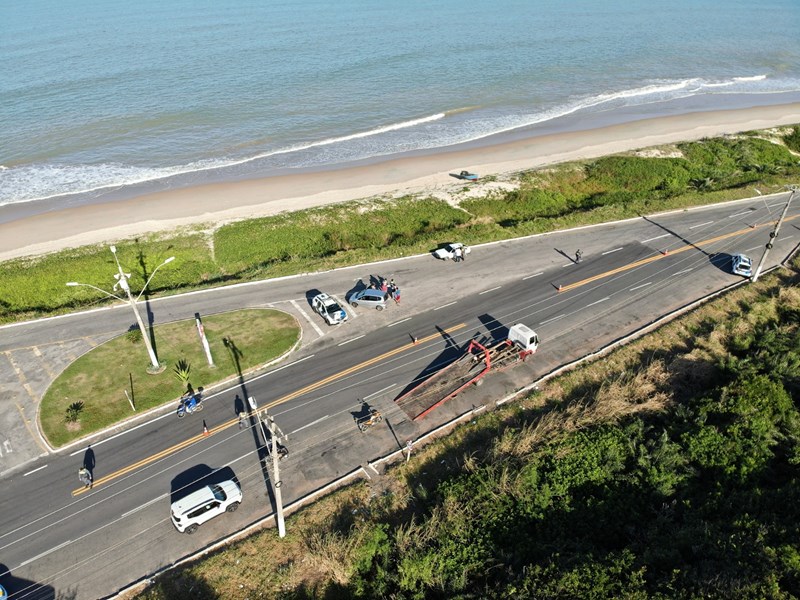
point(444, 305)
point(638, 287)
point(45, 553)
point(398, 322)
point(701, 225)
point(34, 471)
point(553, 319)
point(145, 505)
point(490, 290)
point(308, 424)
point(388, 387)
point(351, 340)
point(534, 275)
point(598, 301)
point(611, 251)
point(658, 237)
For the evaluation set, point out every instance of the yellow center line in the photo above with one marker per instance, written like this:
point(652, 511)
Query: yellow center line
point(193, 440)
point(660, 256)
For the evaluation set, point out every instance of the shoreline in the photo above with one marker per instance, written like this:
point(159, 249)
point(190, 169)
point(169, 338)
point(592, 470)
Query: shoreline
point(219, 203)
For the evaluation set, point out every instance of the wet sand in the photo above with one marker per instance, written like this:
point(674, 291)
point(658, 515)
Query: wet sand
point(218, 203)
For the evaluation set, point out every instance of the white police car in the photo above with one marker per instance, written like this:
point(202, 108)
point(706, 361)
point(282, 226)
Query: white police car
point(329, 309)
point(741, 265)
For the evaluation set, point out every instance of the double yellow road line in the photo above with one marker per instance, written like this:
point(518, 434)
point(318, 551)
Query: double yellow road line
point(309, 388)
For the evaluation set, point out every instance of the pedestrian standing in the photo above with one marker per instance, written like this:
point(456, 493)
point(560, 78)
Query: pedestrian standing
point(464, 253)
point(384, 285)
point(457, 255)
point(396, 295)
point(578, 256)
point(242, 415)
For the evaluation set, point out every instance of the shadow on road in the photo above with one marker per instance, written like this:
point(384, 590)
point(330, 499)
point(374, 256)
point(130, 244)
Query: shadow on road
point(197, 477)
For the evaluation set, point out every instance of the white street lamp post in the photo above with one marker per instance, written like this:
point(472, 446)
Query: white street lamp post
point(122, 282)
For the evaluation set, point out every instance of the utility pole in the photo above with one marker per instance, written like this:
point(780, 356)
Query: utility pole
point(773, 234)
point(276, 472)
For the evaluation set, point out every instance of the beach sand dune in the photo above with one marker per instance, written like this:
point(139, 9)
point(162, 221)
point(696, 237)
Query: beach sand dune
point(423, 174)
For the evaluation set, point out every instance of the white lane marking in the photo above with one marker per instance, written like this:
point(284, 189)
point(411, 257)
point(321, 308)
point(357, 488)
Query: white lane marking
point(34, 471)
point(388, 387)
point(553, 319)
point(598, 301)
point(444, 305)
point(398, 322)
point(776, 204)
point(753, 248)
point(701, 225)
point(534, 275)
point(611, 251)
point(145, 505)
point(739, 214)
point(307, 318)
point(45, 553)
point(490, 290)
point(682, 272)
point(569, 264)
point(658, 237)
point(352, 340)
point(308, 425)
point(638, 287)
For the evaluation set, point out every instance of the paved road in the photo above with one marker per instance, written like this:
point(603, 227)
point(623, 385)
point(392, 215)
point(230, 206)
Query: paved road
point(56, 536)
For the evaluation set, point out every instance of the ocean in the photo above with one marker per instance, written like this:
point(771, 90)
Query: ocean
point(102, 98)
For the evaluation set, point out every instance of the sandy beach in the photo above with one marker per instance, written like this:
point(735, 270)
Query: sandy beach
point(215, 204)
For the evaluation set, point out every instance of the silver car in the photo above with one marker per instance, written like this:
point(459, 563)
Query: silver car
point(370, 297)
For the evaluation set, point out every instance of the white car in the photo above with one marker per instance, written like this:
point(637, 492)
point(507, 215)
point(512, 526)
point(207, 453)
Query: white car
point(203, 505)
point(329, 309)
point(741, 265)
point(449, 251)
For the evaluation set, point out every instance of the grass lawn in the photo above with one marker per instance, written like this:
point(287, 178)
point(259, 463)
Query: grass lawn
point(100, 378)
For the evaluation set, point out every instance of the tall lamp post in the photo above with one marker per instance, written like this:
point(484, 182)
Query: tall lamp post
point(122, 282)
point(774, 233)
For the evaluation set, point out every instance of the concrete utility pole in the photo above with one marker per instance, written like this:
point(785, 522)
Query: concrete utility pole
point(773, 235)
point(276, 471)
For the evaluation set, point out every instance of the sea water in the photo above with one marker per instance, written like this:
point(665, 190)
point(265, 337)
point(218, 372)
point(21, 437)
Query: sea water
point(99, 95)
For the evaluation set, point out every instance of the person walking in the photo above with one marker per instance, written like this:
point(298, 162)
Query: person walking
point(578, 256)
point(242, 415)
point(457, 255)
point(85, 477)
point(396, 295)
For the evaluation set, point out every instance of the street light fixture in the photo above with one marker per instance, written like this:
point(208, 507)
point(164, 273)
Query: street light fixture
point(122, 282)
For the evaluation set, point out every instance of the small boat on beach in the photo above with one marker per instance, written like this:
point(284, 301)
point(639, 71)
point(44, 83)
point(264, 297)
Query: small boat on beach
point(465, 175)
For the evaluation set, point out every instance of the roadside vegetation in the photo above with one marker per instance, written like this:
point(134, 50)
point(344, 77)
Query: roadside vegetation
point(680, 175)
point(668, 469)
point(90, 394)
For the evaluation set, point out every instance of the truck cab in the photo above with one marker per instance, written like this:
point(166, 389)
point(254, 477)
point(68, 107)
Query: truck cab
point(523, 337)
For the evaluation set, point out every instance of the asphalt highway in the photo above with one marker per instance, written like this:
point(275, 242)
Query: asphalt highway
point(58, 538)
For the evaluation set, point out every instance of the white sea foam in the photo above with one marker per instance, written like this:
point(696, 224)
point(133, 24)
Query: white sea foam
point(38, 182)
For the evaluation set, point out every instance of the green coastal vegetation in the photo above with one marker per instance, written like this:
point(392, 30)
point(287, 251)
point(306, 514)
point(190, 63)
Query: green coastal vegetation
point(101, 388)
point(668, 469)
point(566, 195)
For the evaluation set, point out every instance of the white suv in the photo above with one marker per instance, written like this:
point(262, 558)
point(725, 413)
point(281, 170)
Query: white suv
point(741, 265)
point(205, 504)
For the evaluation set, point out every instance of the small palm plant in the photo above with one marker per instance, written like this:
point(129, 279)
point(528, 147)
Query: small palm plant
point(181, 370)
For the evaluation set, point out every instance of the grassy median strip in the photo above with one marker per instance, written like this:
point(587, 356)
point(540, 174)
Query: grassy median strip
point(91, 393)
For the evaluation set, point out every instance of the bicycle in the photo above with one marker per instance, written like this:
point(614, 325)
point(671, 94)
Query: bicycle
point(190, 404)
